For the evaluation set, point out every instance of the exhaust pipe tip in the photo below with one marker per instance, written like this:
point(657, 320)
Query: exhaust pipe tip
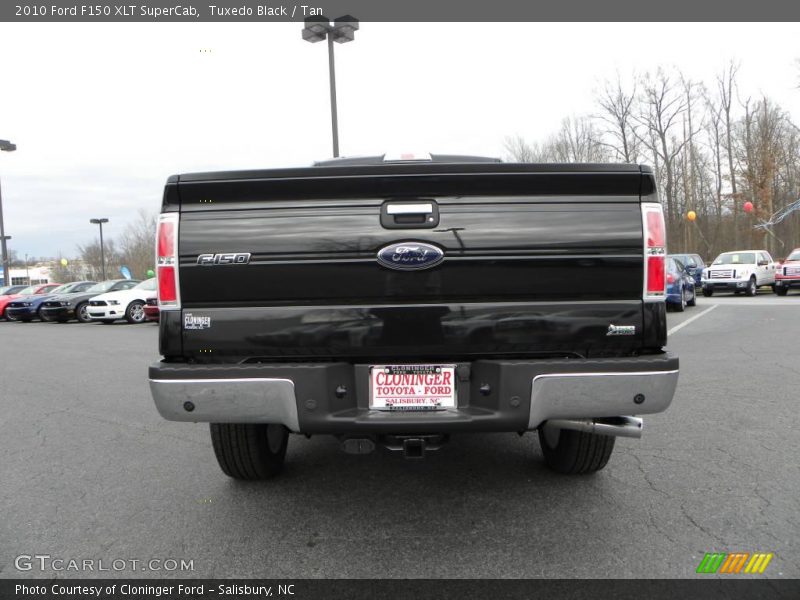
point(358, 445)
point(614, 426)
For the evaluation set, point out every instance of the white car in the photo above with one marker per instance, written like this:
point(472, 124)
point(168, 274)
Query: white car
point(125, 304)
point(739, 271)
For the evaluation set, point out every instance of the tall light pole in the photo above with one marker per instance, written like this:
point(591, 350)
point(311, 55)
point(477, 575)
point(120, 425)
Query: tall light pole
point(5, 146)
point(102, 248)
point(341, 31)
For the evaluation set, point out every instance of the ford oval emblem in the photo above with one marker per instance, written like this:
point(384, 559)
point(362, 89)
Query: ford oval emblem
point(410, 256)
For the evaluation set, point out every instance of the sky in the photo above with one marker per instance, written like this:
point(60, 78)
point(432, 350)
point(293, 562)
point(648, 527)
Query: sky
point(103, 113)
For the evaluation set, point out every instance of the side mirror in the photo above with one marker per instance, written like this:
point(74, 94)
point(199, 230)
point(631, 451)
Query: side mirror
point(763, 263)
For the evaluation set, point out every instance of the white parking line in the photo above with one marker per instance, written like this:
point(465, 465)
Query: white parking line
point(694, 318)
point(760, 300)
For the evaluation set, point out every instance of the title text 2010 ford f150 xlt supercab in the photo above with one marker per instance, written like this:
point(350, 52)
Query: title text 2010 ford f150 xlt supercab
point(396, 303)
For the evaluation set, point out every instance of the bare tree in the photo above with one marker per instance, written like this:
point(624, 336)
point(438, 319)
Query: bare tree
point(577, 141)
point(91, 256)
point(518, 149)
point(521, 151)
point(618, 107)
point(709, 156)
point(715, 135)
point(137, 244)
point(14, 259)
point(661, 111)
point(69, 272)
point(726, 82)
point(692, 175)
point(761, 135)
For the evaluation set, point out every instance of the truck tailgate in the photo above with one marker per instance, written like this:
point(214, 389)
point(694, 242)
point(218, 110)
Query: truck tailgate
point(534, 263)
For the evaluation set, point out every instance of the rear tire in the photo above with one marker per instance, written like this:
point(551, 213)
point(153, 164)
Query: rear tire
point(781, 291)
point(752, 288)
point(249, 451)
point(693, 300)
point(574, 452)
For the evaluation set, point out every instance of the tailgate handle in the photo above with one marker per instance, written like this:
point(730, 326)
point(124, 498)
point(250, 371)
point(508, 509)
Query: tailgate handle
point(409, 209)
point(410, 214)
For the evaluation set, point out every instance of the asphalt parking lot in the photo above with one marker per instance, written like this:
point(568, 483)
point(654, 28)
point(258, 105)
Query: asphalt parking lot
point(90, 471)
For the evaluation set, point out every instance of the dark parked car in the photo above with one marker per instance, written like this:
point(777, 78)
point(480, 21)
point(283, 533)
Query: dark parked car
point(10, 290)
point(27, 308)
point(681, 290)
point(31, 290)
point(64, 307)
point(694, 264)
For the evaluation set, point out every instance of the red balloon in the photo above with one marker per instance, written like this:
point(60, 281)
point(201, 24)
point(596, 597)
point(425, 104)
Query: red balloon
point(748, 207)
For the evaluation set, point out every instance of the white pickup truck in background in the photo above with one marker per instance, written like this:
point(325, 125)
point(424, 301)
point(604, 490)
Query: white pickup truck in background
point(739, 271)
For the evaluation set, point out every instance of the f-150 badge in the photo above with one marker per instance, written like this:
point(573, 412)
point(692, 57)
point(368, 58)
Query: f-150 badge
point(621, 330)
point(228, 258)
point(409, 256)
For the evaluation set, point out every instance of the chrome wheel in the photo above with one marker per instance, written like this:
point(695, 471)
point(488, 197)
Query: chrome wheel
point(752, 288)
point(135, 312)
point(82, 313)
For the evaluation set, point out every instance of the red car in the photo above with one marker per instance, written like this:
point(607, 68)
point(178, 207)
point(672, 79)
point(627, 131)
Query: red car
point(787, 273)
point(32, 290)
point(151, 309)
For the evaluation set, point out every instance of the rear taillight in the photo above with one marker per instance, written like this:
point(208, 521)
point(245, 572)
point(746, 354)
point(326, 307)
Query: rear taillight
point(167, 262)
point(655, 251)
point(670, 278)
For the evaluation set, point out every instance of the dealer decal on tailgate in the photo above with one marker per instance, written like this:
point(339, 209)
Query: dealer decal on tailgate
point(412, 387)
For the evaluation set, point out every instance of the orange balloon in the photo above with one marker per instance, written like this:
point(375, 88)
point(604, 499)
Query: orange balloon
point(691, 215)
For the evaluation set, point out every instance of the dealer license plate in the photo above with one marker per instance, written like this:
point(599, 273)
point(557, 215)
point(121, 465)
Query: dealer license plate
point(412, 387)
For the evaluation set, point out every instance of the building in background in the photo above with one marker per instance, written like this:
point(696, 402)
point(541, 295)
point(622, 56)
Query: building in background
point(30, 275)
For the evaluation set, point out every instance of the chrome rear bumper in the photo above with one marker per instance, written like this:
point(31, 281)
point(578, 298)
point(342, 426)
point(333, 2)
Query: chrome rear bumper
point(513, 395)
point(252, 400)
point(592, 395)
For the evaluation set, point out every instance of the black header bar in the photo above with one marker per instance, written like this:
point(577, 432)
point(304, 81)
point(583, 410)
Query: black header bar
point(400, 11)
point(417, 589)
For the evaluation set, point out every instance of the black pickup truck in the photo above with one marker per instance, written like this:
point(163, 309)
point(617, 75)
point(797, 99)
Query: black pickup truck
point(396, 303)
